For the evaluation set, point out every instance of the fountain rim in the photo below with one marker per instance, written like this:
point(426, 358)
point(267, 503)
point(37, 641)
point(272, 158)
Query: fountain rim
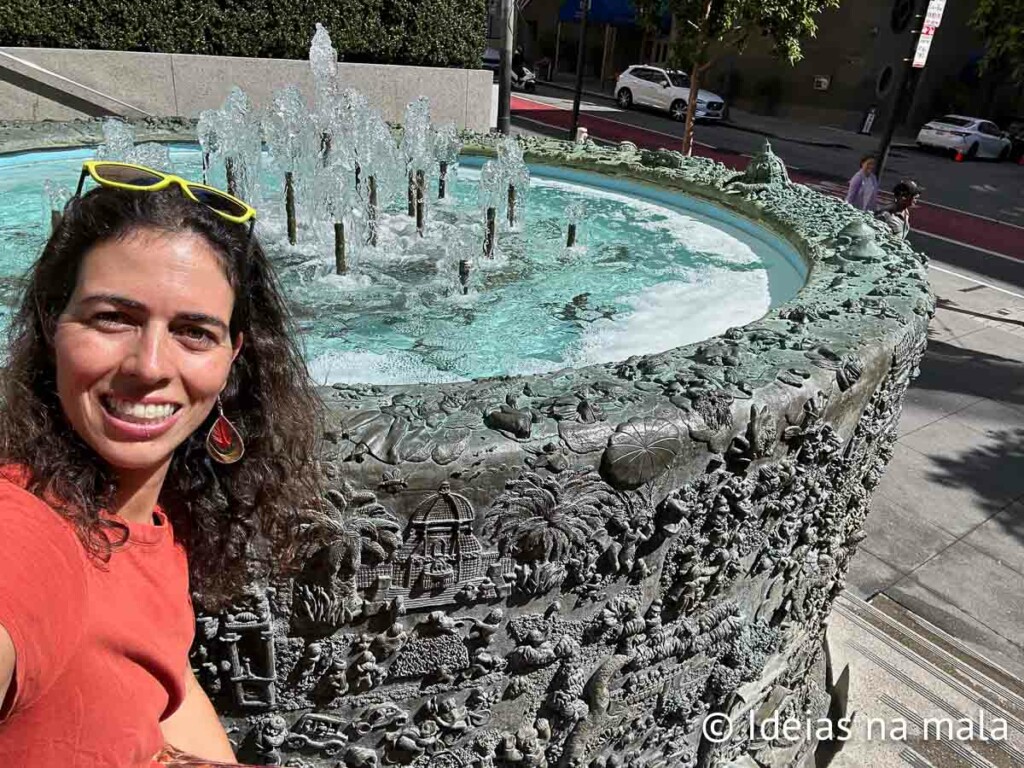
point(698, 178)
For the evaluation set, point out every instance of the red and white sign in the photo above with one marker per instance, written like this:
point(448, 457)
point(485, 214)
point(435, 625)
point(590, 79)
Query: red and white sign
point(933, 16)
point(924, 45)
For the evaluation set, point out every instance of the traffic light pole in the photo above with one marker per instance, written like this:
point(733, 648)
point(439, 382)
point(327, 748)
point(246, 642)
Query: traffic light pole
point(508, 13)
point(899, 103)
point(580, 59)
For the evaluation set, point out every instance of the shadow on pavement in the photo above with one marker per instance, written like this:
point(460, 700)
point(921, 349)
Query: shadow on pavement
point(950, 368)
point(992, 465)
point(952, 306)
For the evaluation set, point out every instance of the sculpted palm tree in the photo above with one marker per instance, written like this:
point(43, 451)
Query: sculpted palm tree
point(550, 519)
point(360, 530)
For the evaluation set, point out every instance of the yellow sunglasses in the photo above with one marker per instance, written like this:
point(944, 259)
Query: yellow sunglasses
point(141, 179)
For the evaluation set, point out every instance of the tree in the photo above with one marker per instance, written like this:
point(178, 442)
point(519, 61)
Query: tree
point(549, 519)
point(703, 27)
point(1001, 24)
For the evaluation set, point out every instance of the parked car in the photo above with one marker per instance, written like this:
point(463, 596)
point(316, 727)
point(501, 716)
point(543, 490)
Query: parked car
point(972, 136)
point(665, 89)
point(492, 61)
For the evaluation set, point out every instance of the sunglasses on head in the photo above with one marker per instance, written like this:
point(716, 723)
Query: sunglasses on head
point(141, 179)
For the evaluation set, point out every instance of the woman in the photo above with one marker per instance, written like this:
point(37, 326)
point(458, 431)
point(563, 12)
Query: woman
point(863, 189)
point(157, 423)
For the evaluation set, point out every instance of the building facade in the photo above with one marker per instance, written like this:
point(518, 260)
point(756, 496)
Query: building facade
point(850, 67)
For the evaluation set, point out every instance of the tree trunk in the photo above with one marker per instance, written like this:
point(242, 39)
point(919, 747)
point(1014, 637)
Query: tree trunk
point(691, 109)
point(696, 69)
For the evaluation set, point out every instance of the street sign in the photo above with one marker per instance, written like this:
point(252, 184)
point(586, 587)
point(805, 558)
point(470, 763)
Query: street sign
point(924, 45)
point(933, 16)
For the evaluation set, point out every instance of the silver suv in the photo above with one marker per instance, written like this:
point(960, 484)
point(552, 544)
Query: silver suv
point(665, 89)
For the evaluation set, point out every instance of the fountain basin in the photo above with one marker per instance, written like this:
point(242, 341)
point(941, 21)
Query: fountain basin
point(653, 269)
point(581, 568)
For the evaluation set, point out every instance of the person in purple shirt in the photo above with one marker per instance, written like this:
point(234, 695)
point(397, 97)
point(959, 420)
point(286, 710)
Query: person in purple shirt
point(863, 189)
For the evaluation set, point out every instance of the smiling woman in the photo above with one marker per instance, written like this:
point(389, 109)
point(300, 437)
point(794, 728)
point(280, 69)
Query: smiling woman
point(151, 349)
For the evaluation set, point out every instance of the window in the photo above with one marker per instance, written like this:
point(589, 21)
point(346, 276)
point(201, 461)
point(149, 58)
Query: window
point(884, 84)
point(493, 18)
point(990, 129)
point(902, 13)
point(659, 78)
point(960, 122)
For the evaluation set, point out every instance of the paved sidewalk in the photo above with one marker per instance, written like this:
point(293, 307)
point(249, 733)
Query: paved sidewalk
point(946, 531)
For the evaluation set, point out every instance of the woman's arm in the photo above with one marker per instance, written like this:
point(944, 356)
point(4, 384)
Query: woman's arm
point(7, 659)
point(854, 190)
point(195, 728)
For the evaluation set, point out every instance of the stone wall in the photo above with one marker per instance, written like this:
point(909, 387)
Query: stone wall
point(166, 85)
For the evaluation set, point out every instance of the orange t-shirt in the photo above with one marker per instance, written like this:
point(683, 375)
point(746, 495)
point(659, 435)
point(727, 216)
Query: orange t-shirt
point(101, 648)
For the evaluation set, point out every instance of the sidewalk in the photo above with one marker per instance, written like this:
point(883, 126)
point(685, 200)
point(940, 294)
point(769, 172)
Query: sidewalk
point(778, 128)
point(946, 531)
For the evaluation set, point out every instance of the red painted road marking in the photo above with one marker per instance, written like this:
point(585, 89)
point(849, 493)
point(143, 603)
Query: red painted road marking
point(951, 224)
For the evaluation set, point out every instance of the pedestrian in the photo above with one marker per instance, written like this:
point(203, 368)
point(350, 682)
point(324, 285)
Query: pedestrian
point(518, 62)
point(863, 189)
point(897, 215)
point(158, 435)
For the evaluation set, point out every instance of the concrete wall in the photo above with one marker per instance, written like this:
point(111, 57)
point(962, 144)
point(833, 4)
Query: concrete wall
point(168, 85)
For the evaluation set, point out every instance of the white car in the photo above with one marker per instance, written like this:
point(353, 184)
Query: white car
point(665, 89)
point(972, 136)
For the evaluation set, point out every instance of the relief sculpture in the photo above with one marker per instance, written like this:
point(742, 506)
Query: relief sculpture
point(577, 570)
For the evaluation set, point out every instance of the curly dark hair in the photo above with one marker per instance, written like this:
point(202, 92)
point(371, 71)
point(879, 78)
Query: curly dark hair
point(222, 513)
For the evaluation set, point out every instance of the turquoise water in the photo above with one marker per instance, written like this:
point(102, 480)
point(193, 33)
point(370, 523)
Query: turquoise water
point(651, 270)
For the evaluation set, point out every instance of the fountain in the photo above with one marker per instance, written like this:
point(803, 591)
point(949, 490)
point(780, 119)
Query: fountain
point(595, 491)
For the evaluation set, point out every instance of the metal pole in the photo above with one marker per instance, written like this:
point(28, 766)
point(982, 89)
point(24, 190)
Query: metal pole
point(289, 206)
point(340, 265)
point(558, 44)
point(489, 234)
point(505, 70)
point(421, 201)
point(580, 60)
point(898, 106)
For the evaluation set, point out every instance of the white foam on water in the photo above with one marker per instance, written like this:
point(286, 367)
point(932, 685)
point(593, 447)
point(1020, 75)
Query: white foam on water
point(674, 314)
point(364, 367)
point(696, 235)
point(347, 282)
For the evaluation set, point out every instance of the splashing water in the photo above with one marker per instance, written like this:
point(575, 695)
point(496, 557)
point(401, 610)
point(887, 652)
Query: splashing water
point(119, 144)
point(424, 306)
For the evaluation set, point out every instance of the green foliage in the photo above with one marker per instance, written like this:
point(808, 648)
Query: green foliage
point(1001, 24)
point(702, 26)
point(445, 33)
point(702, 23)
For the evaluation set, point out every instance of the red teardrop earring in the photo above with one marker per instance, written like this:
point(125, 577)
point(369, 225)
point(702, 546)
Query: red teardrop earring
point(223, 442)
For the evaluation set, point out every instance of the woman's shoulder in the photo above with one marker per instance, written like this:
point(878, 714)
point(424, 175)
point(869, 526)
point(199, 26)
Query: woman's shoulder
point(22, 513)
